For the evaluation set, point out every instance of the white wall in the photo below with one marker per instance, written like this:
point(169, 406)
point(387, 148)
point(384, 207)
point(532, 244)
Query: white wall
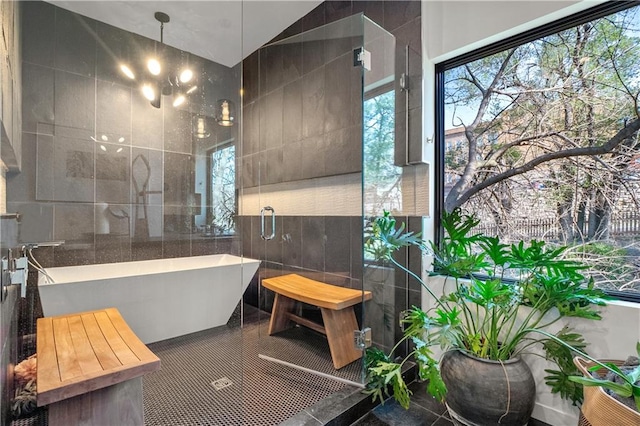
point(451, 28)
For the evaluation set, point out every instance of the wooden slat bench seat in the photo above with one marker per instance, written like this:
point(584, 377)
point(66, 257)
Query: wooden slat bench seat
point(336, 304)
point(90, 368)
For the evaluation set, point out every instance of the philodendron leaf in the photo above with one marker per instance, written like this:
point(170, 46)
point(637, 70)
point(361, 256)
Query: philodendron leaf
point(497, 252)
point(458, 226)
point(561, 383)
point(391, 374)
point(373, 356)
point(414, 322)
point(385, 238)
point(376, 385)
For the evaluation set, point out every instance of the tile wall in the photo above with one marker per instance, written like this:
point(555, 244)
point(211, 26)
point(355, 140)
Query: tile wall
point(92, 143)
point(302, 128)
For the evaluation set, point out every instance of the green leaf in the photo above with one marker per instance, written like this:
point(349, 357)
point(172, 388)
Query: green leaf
point(490, 293)
point(373, 356)
point(495, 250)
point(558, 380)
point(384, 238)
point(414, 322)
point(390, 373)
point(562, 383)
point(619, 388)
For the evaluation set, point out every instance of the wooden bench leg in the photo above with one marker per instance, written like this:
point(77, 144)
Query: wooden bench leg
point(119, 404)
point(339, 326)
point(282, 306)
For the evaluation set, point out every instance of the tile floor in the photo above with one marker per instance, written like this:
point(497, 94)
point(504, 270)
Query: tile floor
point(424, 410)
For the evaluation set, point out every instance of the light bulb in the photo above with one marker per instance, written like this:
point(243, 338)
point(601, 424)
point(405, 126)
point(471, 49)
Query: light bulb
point(104, 148)
point(225, 118)
point(127, 71)
point(192, 89)
point(201, 129)
point(179, 100)
point(186, 75)
point(148, 92)
point(119, 150)
point(225, 111)
point(154, 66)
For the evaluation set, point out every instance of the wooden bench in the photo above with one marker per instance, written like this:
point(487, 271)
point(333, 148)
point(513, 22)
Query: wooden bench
point(335, 303)
point(90, 368)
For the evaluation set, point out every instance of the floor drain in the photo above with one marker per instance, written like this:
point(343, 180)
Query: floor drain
point(221, 383)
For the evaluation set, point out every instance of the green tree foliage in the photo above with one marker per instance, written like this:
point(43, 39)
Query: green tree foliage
point(381, 176)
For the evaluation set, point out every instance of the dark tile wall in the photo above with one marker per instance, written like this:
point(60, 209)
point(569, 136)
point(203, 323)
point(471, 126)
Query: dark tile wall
point(9, 309)
point(303, 107)
point(318, 247)
point(8, 350)
point(302, 119)
point(92, 141)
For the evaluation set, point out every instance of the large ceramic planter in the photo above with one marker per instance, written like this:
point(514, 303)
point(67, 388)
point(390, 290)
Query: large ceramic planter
point(482, 392)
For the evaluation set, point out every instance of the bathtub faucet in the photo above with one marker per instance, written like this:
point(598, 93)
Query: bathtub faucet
point(15, 269)
point(30, 246)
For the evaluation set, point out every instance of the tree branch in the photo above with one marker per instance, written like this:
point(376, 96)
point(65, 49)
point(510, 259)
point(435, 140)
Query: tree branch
point(607, 147)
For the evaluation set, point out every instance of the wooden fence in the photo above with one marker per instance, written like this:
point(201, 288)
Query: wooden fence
point(623, 224)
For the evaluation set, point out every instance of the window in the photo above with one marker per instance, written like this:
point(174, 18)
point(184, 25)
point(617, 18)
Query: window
point(382, 179)
point(222, 184)
point(539, 139)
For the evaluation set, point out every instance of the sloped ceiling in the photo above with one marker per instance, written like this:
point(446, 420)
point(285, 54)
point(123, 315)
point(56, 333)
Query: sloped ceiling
point(223, 31)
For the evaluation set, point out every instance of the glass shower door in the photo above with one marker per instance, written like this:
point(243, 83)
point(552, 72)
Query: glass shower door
point(308, 200)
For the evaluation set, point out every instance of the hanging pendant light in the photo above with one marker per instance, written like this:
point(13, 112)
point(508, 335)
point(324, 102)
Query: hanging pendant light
point(225, 112)
point(201, 127)
point(160, 79)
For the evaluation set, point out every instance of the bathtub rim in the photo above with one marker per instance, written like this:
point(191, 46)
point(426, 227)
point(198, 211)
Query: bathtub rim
point(51, 271)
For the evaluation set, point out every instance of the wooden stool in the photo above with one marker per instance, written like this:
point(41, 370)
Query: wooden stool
point(335, 303)
point(90, 368)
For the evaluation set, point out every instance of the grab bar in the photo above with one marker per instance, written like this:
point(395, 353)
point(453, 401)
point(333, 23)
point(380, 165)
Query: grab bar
point(273, 223)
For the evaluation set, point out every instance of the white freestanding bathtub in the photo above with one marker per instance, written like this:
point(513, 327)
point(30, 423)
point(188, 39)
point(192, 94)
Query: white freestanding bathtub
point(159, 299)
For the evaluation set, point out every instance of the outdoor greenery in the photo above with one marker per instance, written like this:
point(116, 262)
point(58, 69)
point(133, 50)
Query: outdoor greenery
point(549, 130)
point(497, 302)
point(223, 185)
point(381, 178)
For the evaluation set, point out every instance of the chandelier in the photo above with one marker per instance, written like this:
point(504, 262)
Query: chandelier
point(160, 80)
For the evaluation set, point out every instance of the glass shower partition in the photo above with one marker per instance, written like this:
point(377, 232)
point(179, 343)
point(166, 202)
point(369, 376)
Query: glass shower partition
point(303, 195)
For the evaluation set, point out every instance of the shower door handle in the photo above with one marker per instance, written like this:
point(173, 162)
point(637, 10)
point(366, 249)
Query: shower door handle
point(273, 223)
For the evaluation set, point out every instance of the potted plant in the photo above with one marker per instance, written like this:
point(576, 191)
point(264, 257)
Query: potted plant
point(496, 303)
point(612, 392)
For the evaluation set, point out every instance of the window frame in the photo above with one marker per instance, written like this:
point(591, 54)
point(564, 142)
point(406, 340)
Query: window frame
point(565, 23)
